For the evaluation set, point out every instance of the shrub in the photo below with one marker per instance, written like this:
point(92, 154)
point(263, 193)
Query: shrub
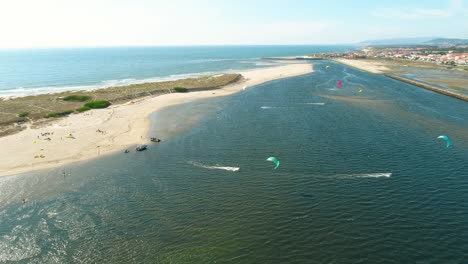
point(59, 114)
point(77, 98)
point(181, 89)
point(97, 104)
point(23, 114)
point(83, 109)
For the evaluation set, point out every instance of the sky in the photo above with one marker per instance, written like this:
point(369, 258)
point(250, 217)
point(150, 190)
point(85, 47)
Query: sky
point(77, 23)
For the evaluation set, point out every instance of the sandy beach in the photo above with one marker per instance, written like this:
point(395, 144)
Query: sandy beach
point(365, 65)
point(88, 135)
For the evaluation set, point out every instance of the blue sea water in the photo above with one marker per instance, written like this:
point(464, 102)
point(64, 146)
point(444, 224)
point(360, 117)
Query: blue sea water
point(35, 71)
point(363, 179)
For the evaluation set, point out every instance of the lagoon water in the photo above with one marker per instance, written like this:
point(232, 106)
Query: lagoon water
point(363, 179)
point(38, 71)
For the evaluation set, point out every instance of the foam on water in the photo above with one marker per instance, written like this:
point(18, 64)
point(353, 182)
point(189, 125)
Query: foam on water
point(21, 91)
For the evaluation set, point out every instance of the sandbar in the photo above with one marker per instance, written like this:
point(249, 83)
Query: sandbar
point(88, 135)
point(366, 65)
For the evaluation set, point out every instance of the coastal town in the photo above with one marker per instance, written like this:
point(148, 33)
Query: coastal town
point(451, 56)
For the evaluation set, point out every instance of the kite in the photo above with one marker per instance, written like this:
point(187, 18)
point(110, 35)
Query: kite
point(447, 140)
point(275, 161)
point(339, 83)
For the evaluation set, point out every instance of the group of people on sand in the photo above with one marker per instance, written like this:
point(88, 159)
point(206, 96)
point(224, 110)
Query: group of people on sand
point(101, 131)
point(46, 134)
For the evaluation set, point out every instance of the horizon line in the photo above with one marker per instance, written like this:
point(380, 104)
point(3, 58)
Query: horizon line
point(175, 45)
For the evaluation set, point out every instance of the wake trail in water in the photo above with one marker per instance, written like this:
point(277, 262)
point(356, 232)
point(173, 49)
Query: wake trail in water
point(371, 175)
point(351, 76)
point(312, 103)
point(326, 84)
point(363, 175)
point(270, 107)
point(216, 167)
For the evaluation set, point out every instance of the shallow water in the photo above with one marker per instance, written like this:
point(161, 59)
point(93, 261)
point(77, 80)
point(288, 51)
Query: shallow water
point(363, 179)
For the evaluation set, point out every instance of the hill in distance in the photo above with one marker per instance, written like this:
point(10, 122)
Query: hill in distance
point(416, 41)
point(447, 41)
point(398, 41)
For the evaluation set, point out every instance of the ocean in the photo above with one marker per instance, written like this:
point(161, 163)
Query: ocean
point(362, 179)
point(39, 71)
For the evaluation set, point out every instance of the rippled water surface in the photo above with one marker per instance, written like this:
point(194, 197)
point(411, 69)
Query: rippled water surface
point(363, 179)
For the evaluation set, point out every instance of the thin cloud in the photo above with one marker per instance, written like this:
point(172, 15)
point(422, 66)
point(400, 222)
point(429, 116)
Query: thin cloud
point(433, 13)
point(458, 7)
point(418, 13)
point(291, 32)
point(456, 4)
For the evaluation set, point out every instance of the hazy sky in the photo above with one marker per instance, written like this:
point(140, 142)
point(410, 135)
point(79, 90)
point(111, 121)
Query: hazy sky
point(51, 23)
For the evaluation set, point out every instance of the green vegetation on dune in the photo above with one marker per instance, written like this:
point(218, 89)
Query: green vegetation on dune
point(77, 98)
point(83, 109)
point(23, 114)
point(59, 114)
point(97, 104)
point(180, 89)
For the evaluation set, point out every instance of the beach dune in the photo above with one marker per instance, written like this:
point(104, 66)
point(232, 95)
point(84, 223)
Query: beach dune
point(99, 132)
